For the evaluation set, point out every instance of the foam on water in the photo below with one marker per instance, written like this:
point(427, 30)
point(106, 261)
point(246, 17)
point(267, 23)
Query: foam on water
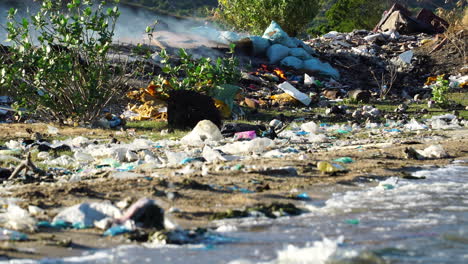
point(402, 221)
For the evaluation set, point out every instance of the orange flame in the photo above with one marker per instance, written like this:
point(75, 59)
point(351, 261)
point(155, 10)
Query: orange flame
point(280, 73)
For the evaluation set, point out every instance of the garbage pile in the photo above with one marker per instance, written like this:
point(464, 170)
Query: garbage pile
point(285, 51)
point(203, 151)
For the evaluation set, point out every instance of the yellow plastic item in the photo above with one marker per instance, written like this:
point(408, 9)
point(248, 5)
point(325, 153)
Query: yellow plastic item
point(327, 167)
point(223, 108)
point(284, 98)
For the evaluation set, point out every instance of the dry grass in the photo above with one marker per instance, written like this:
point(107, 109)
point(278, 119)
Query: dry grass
point(457, 33)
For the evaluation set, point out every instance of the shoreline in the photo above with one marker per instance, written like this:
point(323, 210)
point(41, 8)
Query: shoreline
point(198, 197)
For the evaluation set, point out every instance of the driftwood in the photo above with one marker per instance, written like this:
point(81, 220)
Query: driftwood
point(26, 165)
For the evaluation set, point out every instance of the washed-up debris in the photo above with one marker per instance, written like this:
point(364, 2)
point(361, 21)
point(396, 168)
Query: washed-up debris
point(205, 130)
point(191, 236)
point(87, 214)
point(11, 235)
point(344, 160)
point(145, 213)
point(431, 152)
point(329, 168)
point(16, 218)
point(352, 221)
point(273, 210)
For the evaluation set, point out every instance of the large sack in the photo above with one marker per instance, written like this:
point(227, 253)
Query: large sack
point(276, 53)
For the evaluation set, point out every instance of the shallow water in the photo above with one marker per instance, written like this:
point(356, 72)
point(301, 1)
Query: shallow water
point(398, 221)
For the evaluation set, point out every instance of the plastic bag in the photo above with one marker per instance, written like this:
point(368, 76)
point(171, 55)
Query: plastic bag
point(300, 53)
point(324, 68)
point(277, 35)
point(205, 130)
point(292, 62)
point(291, 90)
point(276, 53)
point(87, 213)
point(310, 127)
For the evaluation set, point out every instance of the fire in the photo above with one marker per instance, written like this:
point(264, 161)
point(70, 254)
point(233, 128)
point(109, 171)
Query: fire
point(280, 73)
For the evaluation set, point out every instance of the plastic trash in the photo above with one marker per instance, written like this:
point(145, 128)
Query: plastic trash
point(226, 93)
point(116, 230)
point(174, 158)
point(344, 160)
point(458, 81)
point(126, 175)
point(260, 45)
point(415, 125)
point(88, 213)
point(59, 224)
point(62, 161)
point(104, 224)
point(303, 196)
point(374, 37)
point(277, 35)
point(146, 213)
point(83, 157)
point(387, 186)
point(292, 62)
point(406, 56)
point(327, 167)
point(440, 123)
point(13, 144)
point(9, 159)
point(308, 80)
point(18, 219)
point(245, 135)
point(204, 131)
point(291, 90)
point(310, 127)
point(300, 53)
point(332, 35)
point(11, 235)
point(315, 65)
point(35, 210)
point(257, 145)
point(80, 141)
point(433, 152)
point(352, 221)
point(276, 53)
point(52, 130)
point(126, 167)
point(211, 155)
point(319, 138)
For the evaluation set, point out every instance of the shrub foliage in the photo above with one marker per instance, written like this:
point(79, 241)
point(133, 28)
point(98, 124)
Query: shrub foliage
point(255, 15)
point(58, 61)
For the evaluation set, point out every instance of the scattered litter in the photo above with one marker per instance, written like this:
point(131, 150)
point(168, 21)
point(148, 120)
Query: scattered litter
point(289, 89)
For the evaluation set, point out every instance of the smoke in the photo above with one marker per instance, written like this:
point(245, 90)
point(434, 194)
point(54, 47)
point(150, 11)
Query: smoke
point(131, 25)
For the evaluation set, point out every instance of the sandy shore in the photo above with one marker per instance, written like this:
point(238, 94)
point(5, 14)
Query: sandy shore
point(195, 198)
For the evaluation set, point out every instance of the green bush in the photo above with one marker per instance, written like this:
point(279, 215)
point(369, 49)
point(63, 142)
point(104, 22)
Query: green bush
point(201, 75)
point(255, 15)
point(347, 15)
point(440, 91)
point(58, 64)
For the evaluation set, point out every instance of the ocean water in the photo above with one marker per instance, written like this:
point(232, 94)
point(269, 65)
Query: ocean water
point(393, 221)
